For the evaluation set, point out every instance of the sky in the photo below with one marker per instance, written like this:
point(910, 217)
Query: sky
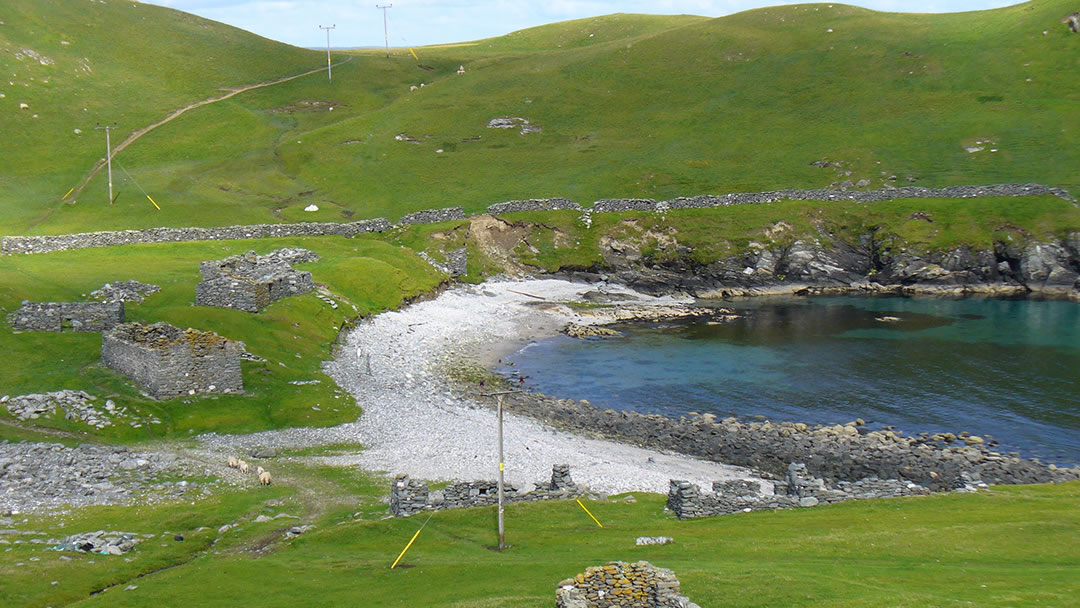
point(423, 22)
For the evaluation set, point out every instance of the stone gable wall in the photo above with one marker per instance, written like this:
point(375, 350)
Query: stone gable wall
point(67, 316)
point(252, 282)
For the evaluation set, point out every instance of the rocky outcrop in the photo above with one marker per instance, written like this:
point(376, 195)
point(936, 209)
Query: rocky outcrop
point(833, 453)
point(832, 265)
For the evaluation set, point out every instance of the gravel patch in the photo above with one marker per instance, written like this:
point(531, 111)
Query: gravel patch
point(415, 423)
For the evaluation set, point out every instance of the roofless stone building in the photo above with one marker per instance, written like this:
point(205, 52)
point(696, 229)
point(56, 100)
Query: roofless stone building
point(252, 282)
point(166, 361)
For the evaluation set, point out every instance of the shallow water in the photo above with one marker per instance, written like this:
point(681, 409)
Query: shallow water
point(1008, 369)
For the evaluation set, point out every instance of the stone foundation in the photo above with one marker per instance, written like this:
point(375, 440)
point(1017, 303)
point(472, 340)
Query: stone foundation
point(166, 361)
point(67, 316)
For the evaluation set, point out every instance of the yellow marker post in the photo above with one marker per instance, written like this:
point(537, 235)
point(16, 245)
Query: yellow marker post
point(152, 201)
point(411, 541)
point(590, 514)
point(68, 194)
point(414, 54)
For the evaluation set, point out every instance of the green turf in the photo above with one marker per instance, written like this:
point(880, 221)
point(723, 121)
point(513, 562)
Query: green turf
point(630, 105)
point(1011, 546)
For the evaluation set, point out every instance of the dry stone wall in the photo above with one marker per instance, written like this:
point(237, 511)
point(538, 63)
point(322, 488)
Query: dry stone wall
point(533, 204)
point(431, 216)
point(166, 361)
point(798, 489)
point(409, 496)
point(67, 316)
point(622, 585)
point(44, 244)
point(85, 240)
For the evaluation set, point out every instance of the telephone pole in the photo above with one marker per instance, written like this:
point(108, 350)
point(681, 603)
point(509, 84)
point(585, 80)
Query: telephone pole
point(329, 75)
point(108, 156)
point(386, 32)
point(502, 528)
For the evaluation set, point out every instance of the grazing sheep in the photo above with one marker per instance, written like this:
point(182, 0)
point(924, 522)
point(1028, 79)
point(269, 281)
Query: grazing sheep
point(234, 463)
point(264, 478)
point(244, 468)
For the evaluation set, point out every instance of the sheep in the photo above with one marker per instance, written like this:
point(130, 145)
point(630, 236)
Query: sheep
point(264, 478)
point(244, 468)
point(233, 462)
point(259, 471)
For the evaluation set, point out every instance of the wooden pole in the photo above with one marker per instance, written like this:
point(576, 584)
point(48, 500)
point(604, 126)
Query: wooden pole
point(502, 529)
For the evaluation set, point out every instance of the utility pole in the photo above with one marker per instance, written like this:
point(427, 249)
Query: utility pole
point(386, 32)
point(108, 156)
point(329, 75)
point(502, 526)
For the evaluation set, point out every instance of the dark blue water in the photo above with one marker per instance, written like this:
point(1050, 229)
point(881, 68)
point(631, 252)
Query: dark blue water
point(1008, 369)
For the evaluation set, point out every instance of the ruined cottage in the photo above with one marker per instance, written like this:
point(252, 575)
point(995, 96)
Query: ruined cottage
point(166, 361)
point(66, 316)
point(252, 282)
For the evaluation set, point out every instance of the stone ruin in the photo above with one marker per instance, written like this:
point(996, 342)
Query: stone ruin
point(67, 316)
point(166, 361)
point(798, 489)
point(622, 585)
point(251, 282)
point(409, 496)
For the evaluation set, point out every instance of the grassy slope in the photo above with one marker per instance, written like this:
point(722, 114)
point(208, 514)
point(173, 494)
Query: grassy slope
point(294, 335)
point(645, 106)
point(1013, 546)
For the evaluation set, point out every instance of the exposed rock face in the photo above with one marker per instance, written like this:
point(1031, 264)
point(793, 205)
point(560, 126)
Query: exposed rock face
point(831, 265)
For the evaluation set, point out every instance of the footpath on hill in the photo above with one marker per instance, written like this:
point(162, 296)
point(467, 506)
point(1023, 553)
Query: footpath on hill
point(135, 135)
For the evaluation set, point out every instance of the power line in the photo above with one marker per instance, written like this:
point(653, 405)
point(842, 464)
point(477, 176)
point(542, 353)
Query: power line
point(329, 74)
point(386, 32)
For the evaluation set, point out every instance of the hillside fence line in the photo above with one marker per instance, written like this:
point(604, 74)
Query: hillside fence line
point(85, 240)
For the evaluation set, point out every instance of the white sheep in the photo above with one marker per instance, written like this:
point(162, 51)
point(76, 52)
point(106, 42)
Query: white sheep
point(259, 471)
point(264, 478)
point(244, 468)
point(233, 462)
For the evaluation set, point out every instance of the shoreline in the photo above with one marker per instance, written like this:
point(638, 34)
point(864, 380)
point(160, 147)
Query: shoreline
point(416, 422)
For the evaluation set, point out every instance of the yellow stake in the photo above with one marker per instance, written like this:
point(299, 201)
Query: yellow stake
point(152, 201)
point(68, 193)
point(411, 542)
point(590, 514)
point(414, 54)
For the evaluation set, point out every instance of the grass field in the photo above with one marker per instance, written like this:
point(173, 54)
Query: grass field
point(629, 105)
point(1011, 546)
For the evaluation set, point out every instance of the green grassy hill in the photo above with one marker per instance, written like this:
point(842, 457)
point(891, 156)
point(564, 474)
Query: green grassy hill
point(629, 105)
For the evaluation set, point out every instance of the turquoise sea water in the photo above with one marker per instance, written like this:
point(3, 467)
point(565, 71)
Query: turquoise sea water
point(1009, 369)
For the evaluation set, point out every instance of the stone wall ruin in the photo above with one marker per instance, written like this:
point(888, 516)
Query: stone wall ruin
point(251, 282)
point(165, 361)
point(798, 489)
point(67, 316)
point(622, 585)
point(409, 496)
